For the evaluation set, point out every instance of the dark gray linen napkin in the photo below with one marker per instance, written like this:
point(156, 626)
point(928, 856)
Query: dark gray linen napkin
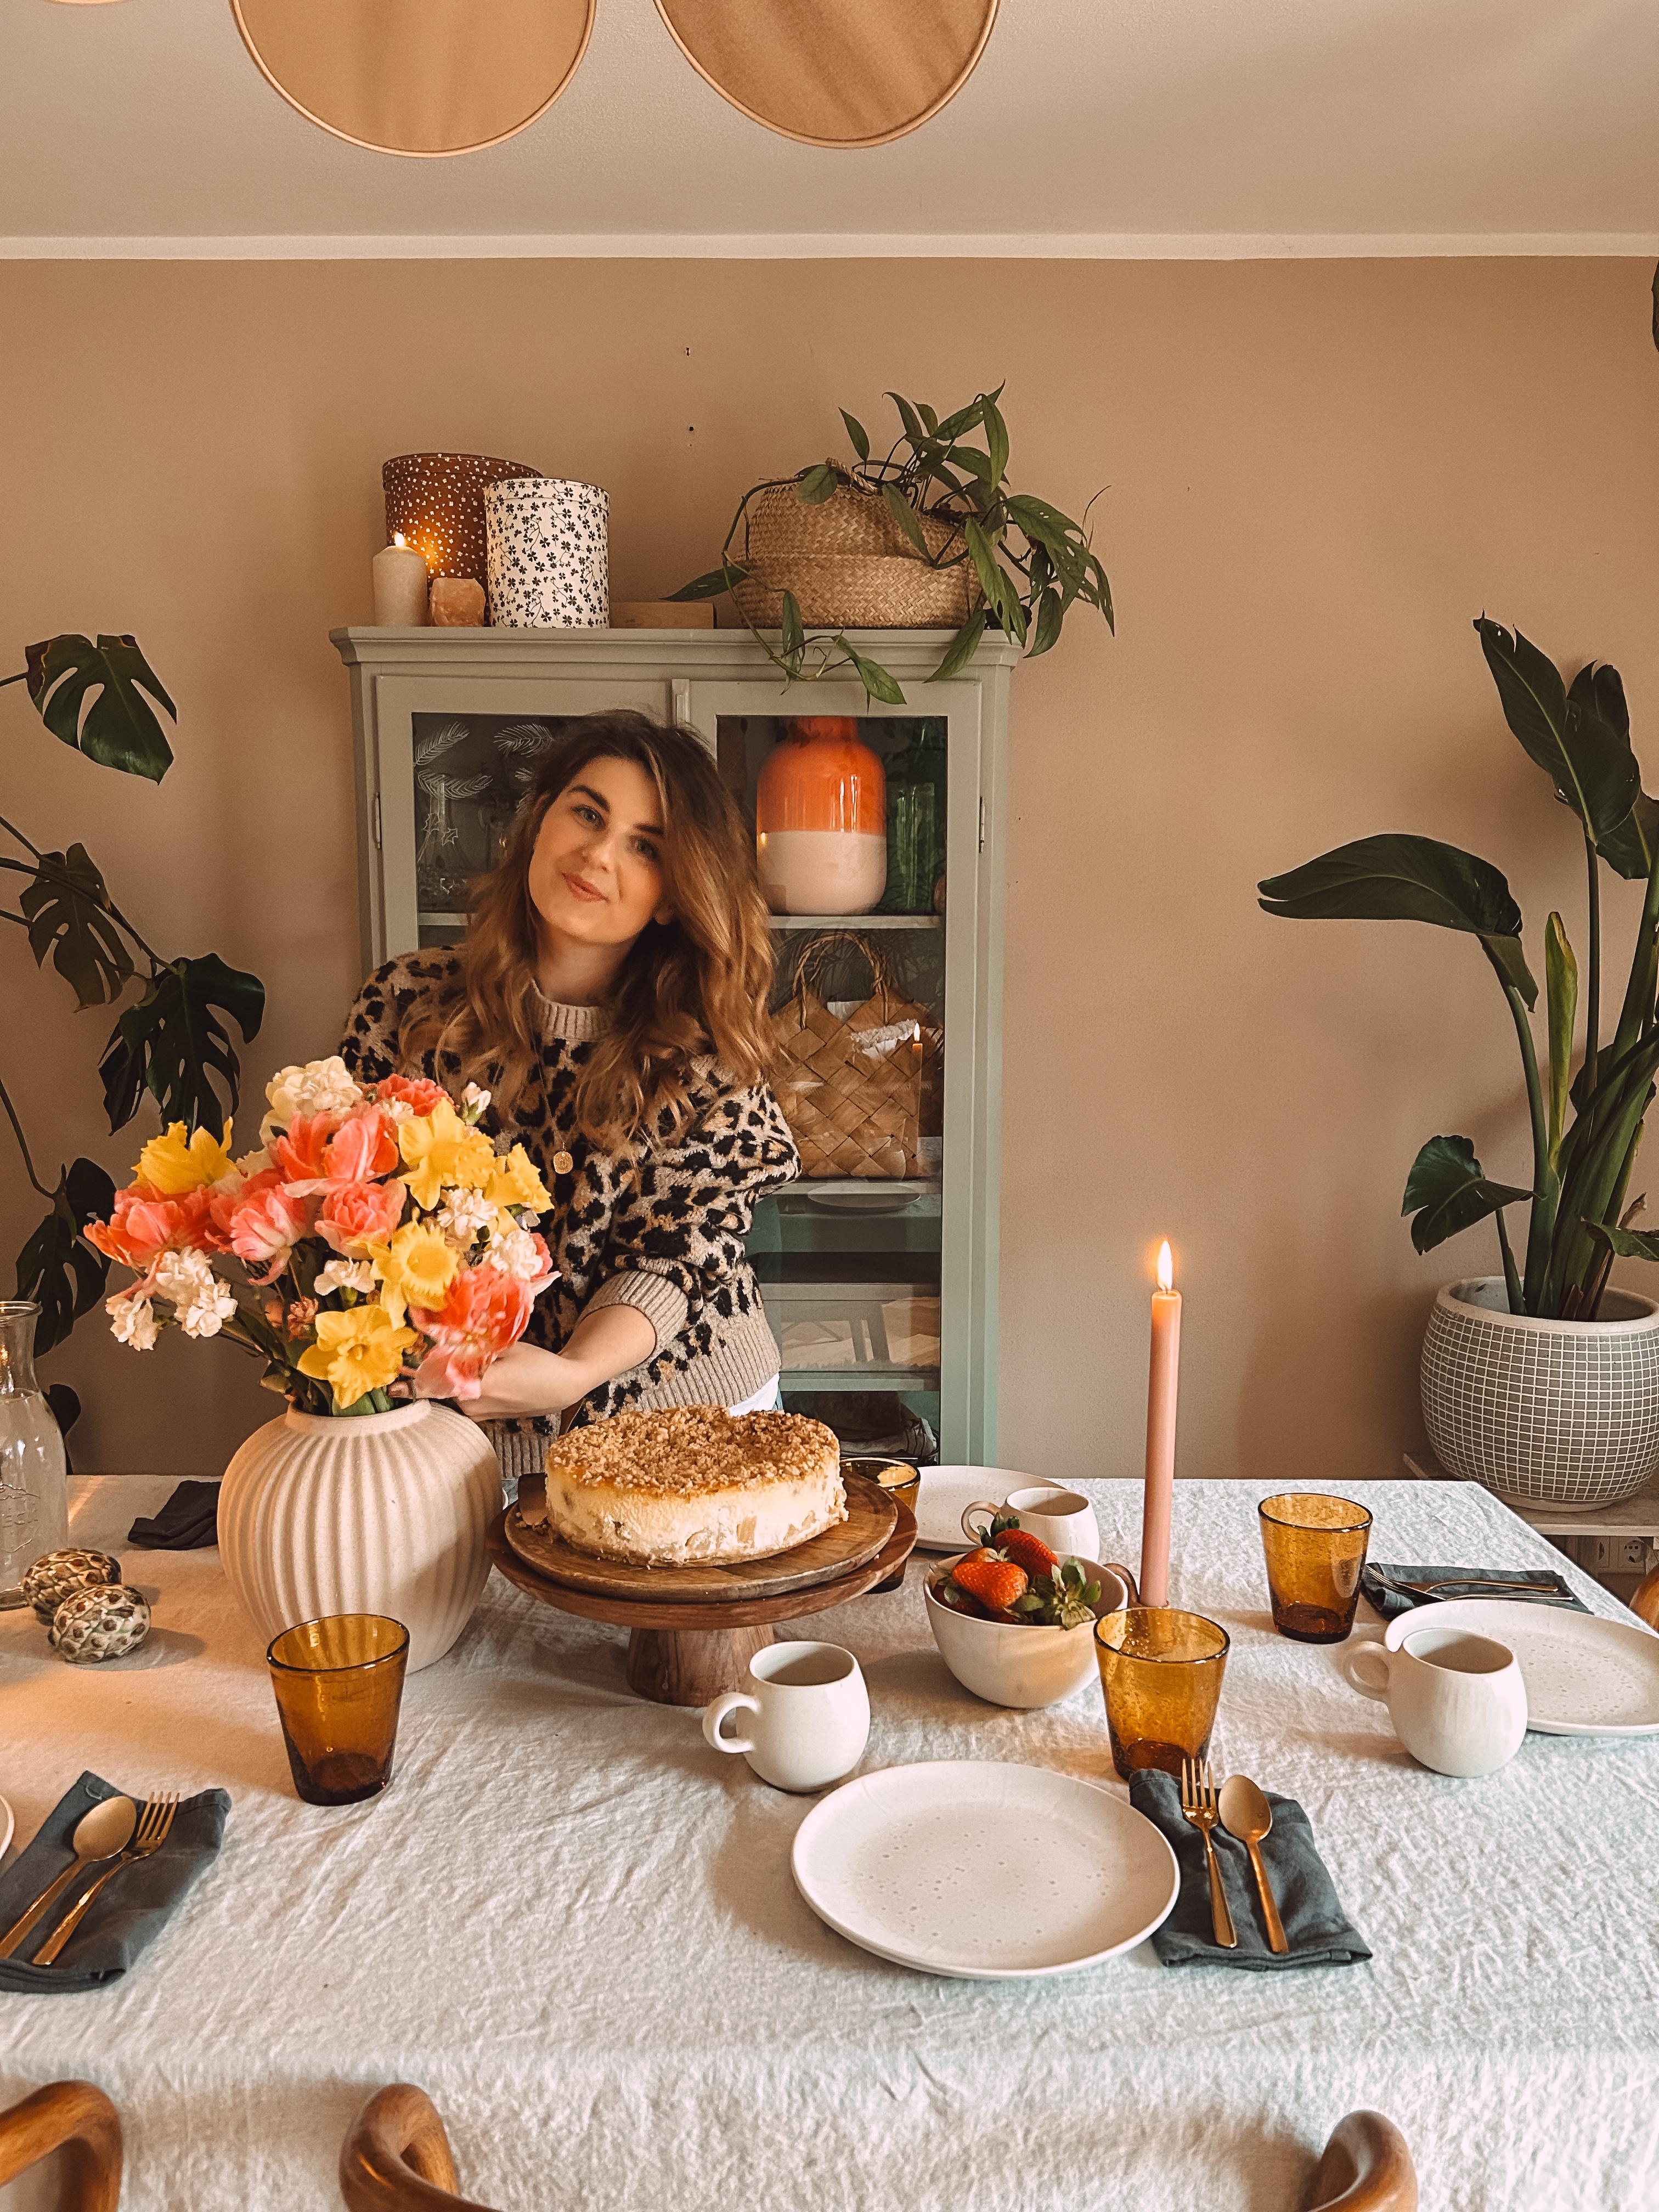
point(188, 1521)
point(1317, 1929)
point(1391, 1603)
point(130, 1912)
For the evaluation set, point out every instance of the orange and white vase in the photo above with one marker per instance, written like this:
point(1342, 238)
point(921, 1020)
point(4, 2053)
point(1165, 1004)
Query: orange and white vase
point(821, 819)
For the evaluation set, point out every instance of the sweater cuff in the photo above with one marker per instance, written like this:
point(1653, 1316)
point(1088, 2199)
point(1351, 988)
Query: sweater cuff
point(663, 1305)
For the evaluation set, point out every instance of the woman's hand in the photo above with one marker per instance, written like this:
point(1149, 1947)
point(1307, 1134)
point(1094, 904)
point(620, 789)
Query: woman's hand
point(526, 1380)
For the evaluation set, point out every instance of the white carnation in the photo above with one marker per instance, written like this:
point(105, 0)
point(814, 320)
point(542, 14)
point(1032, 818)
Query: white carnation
point(462, 1216)
point(200, 1302)
point(319, 1087)
point(515, 1252)
point(132, 1321)
point(346, 1275)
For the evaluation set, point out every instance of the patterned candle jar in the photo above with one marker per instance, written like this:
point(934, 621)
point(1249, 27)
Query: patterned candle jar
point(60, 1574)
point(550, 561)
point(99, 1624)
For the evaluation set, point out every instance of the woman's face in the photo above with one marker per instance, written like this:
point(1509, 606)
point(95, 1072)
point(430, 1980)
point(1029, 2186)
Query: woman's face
point(596, 874)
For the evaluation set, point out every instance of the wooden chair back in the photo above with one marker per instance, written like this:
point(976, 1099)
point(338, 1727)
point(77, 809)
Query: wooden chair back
point(1367, 2167)
point(80, 2121)
point(397, 2157)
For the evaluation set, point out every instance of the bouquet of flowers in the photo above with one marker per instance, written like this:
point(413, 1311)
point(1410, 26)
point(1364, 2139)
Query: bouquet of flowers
point(375, 1247)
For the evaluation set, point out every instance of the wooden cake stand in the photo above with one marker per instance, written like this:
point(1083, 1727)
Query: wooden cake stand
point(695, 1638)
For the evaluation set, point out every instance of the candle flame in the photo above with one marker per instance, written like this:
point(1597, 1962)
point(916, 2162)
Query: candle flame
point(1166, 1267)
point(397, 538)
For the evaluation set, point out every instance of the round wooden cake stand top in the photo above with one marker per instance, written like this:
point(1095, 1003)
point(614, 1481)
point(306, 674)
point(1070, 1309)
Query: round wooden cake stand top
point(687, 1655)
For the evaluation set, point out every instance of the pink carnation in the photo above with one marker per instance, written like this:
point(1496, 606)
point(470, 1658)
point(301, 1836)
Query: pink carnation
point(355, 1215)
point(417, 1092)
point(145, 1224)
point(484, 1313)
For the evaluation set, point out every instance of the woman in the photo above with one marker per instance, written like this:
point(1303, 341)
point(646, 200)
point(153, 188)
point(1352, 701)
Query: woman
point(611, 996)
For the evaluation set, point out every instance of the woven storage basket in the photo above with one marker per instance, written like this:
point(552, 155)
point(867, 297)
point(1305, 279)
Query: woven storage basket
point(850, 1086)
point(849, 566)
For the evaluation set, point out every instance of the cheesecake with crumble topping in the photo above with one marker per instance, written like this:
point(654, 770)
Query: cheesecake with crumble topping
point(693, 1485)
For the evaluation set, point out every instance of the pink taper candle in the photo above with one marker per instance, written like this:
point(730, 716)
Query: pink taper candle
point(1162, 1387)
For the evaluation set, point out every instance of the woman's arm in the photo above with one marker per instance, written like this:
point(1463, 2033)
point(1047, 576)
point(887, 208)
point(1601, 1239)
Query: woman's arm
point(526, 1380)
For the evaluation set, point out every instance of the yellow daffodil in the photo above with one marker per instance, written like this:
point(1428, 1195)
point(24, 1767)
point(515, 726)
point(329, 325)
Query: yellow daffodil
point(356, 1353)
point(173, 1164)
point(442, 1152)
point(415, 1269)
point(515, 1182)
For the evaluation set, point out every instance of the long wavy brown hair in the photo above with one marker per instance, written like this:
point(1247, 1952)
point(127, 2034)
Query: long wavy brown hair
point(692, 987)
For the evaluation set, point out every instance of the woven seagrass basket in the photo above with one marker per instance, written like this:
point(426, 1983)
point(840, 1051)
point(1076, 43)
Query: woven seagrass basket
point(850, 1085)
point(849, 566)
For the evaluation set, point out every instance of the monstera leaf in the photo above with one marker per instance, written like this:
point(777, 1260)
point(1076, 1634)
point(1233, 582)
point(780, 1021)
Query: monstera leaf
point(66, 907)
point(1447, 1192)
point(173, 1043)
point(58, 1268)
point(92, 696)
point(1588, 758)
point(1403, 878)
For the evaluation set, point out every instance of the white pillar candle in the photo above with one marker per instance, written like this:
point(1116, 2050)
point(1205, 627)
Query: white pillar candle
point(400, 587)
point(1163, 1388)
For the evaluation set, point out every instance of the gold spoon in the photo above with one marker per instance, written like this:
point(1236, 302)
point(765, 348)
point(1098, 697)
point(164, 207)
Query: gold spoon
point(103, 1831)
point(1246, 1814)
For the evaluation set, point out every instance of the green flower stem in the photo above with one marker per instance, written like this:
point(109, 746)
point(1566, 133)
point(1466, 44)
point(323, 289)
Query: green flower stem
point(1546, 1183)
point(1511, 1274)
point(1593, 1013)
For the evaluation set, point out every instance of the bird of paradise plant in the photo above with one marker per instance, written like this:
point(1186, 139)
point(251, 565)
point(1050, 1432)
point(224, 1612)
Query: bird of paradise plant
point(1586, 1128)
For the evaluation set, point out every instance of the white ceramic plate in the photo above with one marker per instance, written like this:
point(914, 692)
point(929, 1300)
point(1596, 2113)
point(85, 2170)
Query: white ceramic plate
point(1584, 1676)
point(983, 1871)
point(7, 1824)
point(948, 1491)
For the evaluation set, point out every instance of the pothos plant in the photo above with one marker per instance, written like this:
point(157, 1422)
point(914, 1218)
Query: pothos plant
point(171, 1040)
point(1033, 563)
point(1585, 1127)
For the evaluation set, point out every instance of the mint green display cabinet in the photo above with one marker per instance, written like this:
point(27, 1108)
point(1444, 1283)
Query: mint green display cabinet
point(882, 1293)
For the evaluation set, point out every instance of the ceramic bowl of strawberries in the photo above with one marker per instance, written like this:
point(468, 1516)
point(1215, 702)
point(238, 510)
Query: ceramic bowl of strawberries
point(1015, 1623)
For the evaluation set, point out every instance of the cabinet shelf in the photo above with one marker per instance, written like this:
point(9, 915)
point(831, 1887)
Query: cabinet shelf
point(853, 920)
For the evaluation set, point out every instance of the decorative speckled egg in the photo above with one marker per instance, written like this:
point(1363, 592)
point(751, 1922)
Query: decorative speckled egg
point(104, 1622)
point(58, 1575)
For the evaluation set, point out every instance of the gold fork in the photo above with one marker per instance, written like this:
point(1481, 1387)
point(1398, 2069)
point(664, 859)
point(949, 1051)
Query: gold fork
point(1199, 1807)
point(151, 1833)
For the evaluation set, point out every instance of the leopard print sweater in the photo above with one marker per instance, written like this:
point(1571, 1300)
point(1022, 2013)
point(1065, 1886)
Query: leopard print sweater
point(658, 1225)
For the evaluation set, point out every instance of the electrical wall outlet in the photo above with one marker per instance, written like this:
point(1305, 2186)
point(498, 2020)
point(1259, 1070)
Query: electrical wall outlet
point(1609, 1555)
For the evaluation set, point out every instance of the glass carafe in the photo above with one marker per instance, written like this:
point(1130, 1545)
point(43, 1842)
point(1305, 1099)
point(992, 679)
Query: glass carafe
point(33, 1484)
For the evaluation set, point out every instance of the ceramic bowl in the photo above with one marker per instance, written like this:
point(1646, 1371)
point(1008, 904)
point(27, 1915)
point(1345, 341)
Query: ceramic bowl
point(1009, 1665)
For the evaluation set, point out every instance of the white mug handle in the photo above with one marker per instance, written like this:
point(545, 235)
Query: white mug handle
point(713, 1715)
point(1353, 1663)
point(979, 1505)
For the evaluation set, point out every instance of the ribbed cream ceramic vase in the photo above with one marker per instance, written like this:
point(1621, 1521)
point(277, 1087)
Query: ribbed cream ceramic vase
point(1559, 1412)
point(380, 1513)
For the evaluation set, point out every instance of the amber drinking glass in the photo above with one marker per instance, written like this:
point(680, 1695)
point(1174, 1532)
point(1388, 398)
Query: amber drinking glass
point(902, 1479)
point(1316, 1547)
point(339, 1683)
point(1161, 1670)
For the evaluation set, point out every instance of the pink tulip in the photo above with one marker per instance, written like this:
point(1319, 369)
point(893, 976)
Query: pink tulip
point(266, 1222)
point(365, 1144)
point(355, 1215)
point(299, 1152)
point(484, 1313)
point(145, 1224)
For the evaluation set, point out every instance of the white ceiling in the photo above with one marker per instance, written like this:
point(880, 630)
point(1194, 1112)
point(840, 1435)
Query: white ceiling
point(1091, 126)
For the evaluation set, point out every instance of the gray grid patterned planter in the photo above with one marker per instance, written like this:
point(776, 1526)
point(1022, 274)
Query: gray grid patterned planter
point(1562, 1412)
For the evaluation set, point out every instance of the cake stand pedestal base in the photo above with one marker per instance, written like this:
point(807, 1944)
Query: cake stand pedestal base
point(689, 1666)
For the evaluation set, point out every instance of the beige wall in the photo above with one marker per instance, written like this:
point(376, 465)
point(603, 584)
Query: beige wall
point(1317, 474)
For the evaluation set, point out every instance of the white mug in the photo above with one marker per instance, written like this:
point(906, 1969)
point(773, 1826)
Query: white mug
point(1061, 1519)
point(1457, 1701)
point(812, 1716)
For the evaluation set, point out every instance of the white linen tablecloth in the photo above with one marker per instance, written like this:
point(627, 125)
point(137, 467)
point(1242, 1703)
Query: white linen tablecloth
point(574, 1925)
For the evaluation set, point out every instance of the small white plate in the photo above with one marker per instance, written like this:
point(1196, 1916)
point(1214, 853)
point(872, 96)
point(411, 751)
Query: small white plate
point(7, 1824)
point(1584, 1676)
point(948, 1491)
point(983, 1871)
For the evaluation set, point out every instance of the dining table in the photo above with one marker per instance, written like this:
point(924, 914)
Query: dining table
point(574, 1925)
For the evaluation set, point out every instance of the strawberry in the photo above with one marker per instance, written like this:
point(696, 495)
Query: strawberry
point(1028, 1551)
point(995, 1582)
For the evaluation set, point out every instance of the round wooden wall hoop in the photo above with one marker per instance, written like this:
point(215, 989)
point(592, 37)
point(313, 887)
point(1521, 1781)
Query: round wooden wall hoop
point(423, 78)
point(840, 73)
